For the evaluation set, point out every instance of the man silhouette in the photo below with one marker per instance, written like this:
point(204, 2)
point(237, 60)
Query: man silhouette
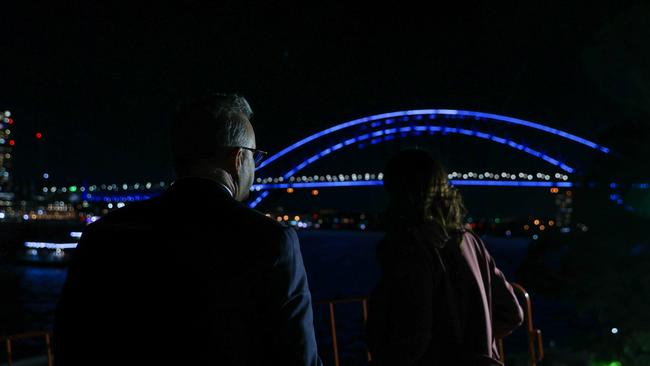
point(192, 277)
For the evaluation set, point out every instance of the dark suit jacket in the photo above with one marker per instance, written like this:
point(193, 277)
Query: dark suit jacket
point(192, 277)
point(417, 317)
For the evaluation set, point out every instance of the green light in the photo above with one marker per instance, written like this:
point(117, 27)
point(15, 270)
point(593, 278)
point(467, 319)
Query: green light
point(497, 220)
point(73, 188)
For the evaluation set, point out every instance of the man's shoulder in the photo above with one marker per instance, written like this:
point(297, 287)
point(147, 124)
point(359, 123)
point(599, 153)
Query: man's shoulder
point(259, 223)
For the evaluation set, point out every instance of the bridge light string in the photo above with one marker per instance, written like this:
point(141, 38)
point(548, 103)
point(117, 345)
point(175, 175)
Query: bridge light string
point(432, 113)
point(444, 130)
point(371, 183)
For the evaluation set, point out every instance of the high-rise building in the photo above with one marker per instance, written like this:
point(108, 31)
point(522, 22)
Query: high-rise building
point(6, 150)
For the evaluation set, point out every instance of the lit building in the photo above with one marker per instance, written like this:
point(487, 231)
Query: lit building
point(6, 150)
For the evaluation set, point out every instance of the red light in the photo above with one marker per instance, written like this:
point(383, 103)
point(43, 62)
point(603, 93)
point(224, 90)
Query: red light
point(39, 135)
point(10, 121)
point(12, 142)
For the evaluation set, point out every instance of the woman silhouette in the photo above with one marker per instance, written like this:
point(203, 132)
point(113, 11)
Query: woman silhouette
point(441, 300)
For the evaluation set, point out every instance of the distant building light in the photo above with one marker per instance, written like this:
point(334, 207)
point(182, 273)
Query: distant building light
point(2, 215)
point(25, 217)
point(535, 237)
point(43, 245)
point(614, 330)
point(76, 234)
point(46, 176)
point(110, 205)
point(286, 218)
point(120, 204)
point(45, 190)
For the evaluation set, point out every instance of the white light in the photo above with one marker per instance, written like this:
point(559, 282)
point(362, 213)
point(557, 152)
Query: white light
point(25, 217)
point(535, 237)
point(464, 176)
point(530, 177)
point(40, 212)
point(136, 186)
point(380, 176)
point(41, 245)
point(148, 185)
point(110, 205)
point(76, 234)
point(46, 176)
point(2, 215)
point(120, 204)
point(7, 114)
point(614, 330)
point(64, 189)
point(83, 189)
point(125, 186)
point(45, 190)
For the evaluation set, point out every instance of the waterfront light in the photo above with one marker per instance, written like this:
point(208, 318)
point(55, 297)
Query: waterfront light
point(44, 245)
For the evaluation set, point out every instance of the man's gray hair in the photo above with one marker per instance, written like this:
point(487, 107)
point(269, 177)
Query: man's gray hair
point(204, 128)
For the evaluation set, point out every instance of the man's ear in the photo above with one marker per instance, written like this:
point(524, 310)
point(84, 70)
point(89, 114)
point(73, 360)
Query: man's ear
point(234, 161)
point(239, 159)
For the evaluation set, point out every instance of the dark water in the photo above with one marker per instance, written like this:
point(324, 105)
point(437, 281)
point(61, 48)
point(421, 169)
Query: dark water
point(339, 265)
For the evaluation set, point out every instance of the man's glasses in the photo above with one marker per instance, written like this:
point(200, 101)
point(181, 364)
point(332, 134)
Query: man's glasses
point(258, 155)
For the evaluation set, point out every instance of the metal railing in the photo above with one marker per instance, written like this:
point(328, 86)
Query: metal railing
point(535, 346)
point(9, 340)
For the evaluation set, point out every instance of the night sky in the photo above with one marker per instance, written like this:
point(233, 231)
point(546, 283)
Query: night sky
point(100, 81)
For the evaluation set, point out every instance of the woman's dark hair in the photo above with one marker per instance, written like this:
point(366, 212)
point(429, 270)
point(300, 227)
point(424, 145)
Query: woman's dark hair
point(420, 196)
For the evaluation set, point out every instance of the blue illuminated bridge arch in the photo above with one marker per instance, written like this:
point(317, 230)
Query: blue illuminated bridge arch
point(387, 125)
